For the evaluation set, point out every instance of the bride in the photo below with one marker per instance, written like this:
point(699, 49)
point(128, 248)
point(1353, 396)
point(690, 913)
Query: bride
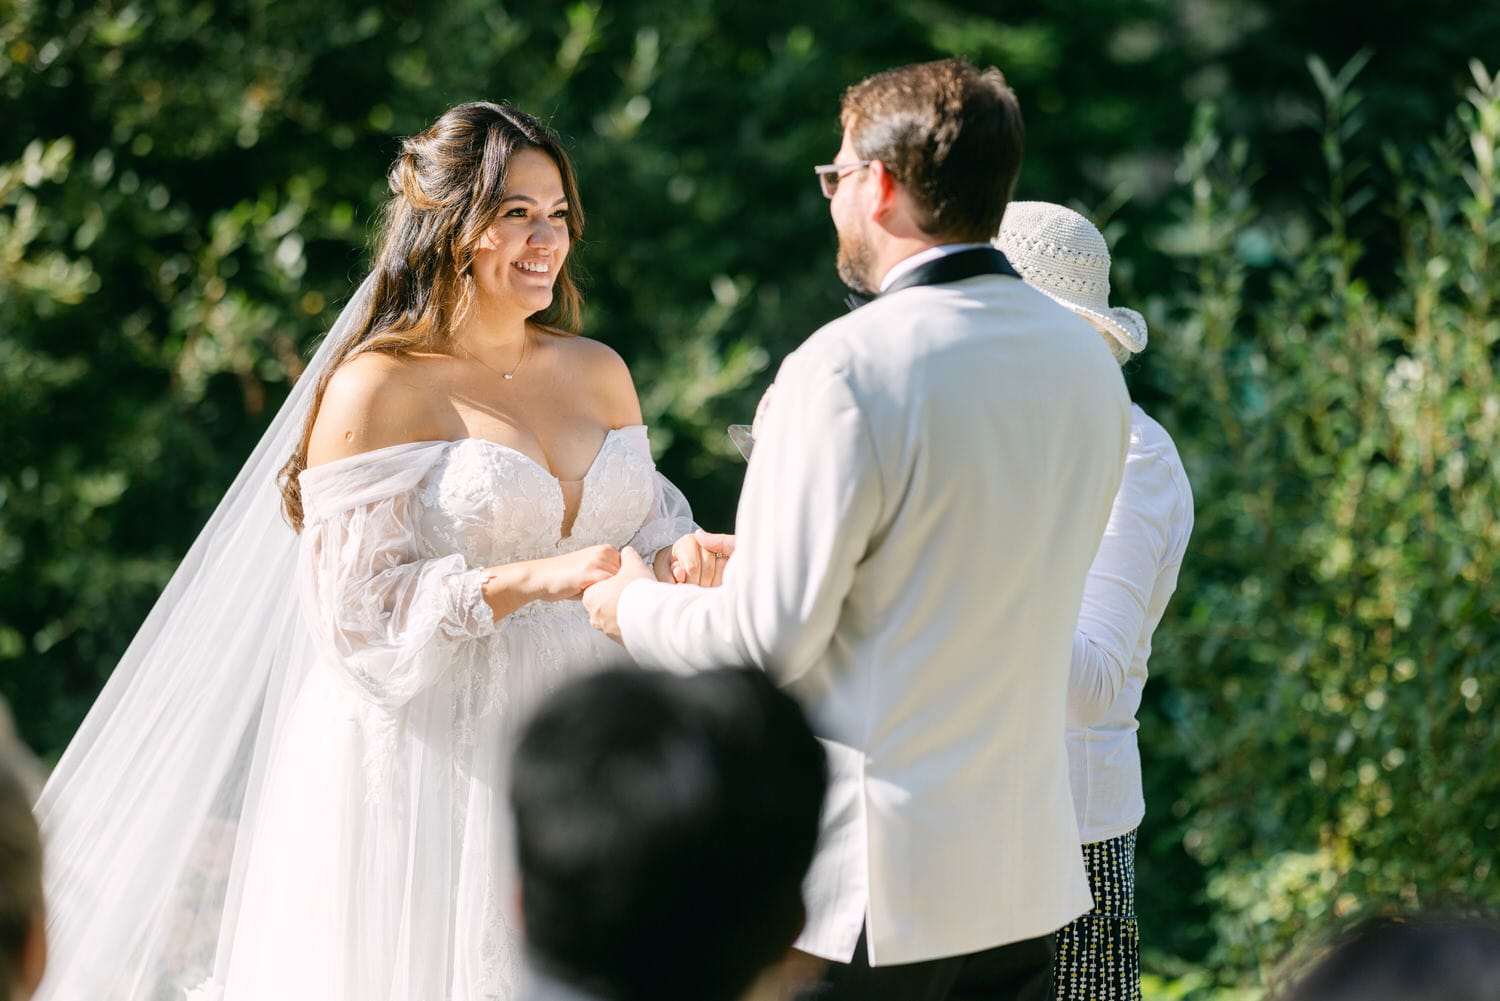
point(293, 785)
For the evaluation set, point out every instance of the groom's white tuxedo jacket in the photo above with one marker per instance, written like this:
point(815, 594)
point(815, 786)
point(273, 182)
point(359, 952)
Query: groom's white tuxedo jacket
point(930, 483)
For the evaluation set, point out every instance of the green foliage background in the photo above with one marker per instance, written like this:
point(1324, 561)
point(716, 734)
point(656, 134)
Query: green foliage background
point(1300, 197)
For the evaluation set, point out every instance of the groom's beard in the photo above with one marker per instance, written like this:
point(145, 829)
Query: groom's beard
point(855, 262)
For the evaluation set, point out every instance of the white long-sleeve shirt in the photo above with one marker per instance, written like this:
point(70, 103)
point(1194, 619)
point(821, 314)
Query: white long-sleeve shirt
point(1132, 577)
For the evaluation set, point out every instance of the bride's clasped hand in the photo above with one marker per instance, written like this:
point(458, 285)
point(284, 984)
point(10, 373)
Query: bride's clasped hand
point(563, 578)
point(699, 558)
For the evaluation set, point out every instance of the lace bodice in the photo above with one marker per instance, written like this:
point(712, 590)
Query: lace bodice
point(396, 541)
point(493, 504)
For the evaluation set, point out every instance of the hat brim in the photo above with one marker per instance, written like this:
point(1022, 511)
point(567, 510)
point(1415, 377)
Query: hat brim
point(1124, 325)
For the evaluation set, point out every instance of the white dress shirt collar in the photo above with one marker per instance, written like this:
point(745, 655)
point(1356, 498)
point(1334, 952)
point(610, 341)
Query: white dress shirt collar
point(922, 257)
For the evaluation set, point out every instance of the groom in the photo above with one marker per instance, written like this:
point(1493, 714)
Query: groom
point(928, 488)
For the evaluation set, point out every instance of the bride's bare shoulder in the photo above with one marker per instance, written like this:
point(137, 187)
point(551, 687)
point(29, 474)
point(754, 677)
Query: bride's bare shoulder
point(375, 400)
point(604, 372)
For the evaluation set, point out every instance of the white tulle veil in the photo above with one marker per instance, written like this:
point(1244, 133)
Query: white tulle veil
point(145, 814)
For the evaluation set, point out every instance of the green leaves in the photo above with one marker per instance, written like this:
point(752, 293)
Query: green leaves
point(1339, 753)
point(36, 274)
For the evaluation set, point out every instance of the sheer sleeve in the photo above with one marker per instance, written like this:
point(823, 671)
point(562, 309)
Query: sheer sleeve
point(387, 618)
point(670, 517)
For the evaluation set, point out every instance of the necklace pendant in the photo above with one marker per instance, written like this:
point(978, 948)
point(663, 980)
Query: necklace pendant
point(507, 376)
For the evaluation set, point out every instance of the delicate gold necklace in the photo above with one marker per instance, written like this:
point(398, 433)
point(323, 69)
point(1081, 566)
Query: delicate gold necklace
point(504, 375)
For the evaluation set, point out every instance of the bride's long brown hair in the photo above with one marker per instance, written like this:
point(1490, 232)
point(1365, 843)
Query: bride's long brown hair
point(446, 188)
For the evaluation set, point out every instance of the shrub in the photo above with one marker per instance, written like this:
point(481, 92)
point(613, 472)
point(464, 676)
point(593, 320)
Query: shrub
point(1320, 734)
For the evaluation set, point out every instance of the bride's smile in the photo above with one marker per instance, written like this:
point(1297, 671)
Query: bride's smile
point(520, 256)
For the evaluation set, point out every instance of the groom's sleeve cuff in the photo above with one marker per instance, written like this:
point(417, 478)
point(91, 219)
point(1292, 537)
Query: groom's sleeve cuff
point(632, 612)
point(655, 623)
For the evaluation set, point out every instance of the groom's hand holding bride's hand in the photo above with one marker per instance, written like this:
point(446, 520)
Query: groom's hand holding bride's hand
point(698, 558)
point(603, 599)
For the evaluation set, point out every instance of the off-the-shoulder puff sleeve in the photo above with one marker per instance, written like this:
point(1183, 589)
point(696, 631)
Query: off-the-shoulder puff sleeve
point(670, 517)
point(386, 617)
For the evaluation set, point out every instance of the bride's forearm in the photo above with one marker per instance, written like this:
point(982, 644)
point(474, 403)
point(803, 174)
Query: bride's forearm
point(553, 578)
point(508, 586)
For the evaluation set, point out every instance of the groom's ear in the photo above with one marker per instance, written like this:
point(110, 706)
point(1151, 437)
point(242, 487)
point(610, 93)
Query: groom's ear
point(887, 190)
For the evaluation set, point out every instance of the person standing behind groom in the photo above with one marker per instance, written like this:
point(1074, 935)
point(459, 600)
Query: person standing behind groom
point(927, 491)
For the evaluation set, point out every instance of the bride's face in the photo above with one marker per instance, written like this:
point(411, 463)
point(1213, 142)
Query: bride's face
point(519, 258)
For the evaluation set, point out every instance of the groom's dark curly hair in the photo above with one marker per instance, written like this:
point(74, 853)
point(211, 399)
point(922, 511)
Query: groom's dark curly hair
point(664, 825)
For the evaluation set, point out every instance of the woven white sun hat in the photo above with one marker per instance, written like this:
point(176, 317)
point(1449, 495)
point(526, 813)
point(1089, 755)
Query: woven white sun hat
point(1062, 255)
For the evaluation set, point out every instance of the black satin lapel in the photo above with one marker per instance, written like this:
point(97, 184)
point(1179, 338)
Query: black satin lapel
point(955, 268)
point(949, 268)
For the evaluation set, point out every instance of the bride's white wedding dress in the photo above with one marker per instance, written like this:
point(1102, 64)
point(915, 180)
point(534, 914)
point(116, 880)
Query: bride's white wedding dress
point(381, 858)
point(293, 786)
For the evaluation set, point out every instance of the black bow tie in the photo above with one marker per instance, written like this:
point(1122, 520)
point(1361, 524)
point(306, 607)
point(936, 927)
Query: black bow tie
point(948, 268)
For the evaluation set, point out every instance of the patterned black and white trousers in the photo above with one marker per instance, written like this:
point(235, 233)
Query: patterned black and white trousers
point(1098, 955)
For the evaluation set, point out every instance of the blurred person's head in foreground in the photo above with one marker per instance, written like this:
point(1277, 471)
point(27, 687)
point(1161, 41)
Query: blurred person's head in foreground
point(23, 936)
point(1417, 958)
point(664, 825)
